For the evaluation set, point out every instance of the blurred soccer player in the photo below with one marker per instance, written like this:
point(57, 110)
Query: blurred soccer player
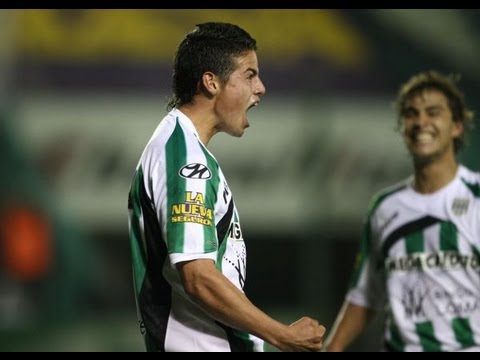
point(420, 254)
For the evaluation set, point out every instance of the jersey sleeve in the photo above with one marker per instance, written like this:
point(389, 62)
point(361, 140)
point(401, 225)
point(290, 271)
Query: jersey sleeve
point(191, 186)
point(190, 220)
point(366, 284)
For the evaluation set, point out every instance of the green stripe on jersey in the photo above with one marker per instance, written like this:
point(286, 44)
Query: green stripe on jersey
point(362, 256)
point(176, 156)
point(238, 340)
point(137, 244)
point(414, 242)
point(448, 236)
point(476, 252)
point(396, 342)
point(244, 339)
point(363, 252)
point(463, 332)
point(427, 337)
point(474, 188)
point(209, 232)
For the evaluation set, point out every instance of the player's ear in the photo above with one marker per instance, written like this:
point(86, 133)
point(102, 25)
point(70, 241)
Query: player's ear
point(458, 129)
point(210, 83)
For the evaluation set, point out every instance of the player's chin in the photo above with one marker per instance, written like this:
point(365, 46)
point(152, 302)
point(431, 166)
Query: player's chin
point(238, 132)
point(240, 126)
point(423, 158)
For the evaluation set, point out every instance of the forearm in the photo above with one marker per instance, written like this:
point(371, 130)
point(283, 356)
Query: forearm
point(226, 303)
point(350, 323)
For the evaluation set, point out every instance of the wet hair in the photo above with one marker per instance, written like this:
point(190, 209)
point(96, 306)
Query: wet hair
point(447, 84)
point(211, 46)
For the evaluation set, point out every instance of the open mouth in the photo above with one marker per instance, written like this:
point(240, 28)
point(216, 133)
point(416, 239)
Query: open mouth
point(253, 105)
point(423, 138)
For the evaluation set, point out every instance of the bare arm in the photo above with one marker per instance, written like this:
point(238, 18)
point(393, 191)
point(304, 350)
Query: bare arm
point(227, 304)
point(350, 323)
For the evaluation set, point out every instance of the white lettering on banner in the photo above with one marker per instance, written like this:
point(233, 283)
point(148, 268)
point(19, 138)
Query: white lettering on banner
point(299, 164)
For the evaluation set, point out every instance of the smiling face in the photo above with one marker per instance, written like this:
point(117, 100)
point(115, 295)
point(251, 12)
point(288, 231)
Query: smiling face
point(428, 127)
point(242, 91)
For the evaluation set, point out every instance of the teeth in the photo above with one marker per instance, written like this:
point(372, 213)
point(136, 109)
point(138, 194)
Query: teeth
point(424, 137)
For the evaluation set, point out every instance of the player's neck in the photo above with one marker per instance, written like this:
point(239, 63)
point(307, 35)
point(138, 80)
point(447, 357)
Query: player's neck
point(201, 119)
point(431, 177)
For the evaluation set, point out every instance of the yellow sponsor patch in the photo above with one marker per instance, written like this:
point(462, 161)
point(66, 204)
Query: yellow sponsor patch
point(192, 210)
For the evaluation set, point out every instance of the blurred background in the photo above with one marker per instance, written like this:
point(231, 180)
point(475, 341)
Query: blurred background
point(81, 92)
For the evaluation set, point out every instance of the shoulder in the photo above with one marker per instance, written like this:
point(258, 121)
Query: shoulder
point(383, 195)
point(173, 136)
point(470, 179)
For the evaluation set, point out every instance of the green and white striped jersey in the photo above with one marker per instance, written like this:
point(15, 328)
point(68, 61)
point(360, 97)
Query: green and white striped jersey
point(420, 256)
point(180, 209)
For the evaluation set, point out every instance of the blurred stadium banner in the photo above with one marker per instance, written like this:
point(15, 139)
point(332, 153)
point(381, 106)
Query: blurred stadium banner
point(152, 35)
point(302, 50)
point(300, 162)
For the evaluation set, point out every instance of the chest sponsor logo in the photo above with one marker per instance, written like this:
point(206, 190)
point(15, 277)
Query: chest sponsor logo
point(195, 171)
point(235, 232)
point(445, 260)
